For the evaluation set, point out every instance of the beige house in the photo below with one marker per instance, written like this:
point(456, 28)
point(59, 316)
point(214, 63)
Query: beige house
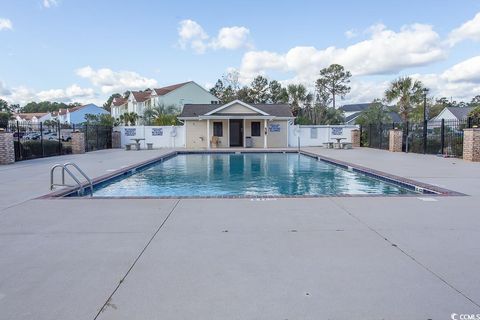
point(236, 124)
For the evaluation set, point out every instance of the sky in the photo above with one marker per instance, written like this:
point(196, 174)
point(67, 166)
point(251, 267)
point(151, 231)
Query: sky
point(83, 51)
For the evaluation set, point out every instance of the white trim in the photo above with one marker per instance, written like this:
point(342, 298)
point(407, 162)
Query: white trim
point(235, 117)
point(235, 102)
point(208, 134)
point(243, 134)
point(265, 131)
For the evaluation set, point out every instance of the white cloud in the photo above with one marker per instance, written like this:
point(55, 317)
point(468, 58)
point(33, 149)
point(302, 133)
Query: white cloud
point(465, 71)
point(73, 93)
point(69, 94)
point(352, 33)
point(192, 35)
point(111, 81)
point(468, 30)
point(5, 24)
point(231, 38)
point(50, 3)
point(386, 52)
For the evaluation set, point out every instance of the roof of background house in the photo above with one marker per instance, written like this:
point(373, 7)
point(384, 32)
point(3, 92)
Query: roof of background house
point(394, 116)
point(164, 90)
point(118, 101)
point(276, 110)
point(141, 96)
point(29, 116)
point(355, 107)
point(460, 112)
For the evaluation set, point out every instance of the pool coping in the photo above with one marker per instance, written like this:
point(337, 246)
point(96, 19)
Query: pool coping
point(425, 188)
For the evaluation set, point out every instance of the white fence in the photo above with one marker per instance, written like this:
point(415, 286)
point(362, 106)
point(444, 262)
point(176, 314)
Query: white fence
point(160, 136)
point(311, 135)
point(174, 136)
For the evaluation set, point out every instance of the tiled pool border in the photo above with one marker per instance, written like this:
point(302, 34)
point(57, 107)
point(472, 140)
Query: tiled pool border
point(420, 187)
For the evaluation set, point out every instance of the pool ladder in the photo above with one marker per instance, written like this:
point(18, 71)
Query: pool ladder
point(72, 175)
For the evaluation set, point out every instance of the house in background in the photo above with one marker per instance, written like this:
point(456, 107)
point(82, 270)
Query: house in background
point(177, 95)
point(353, 111)
point(453, 113)
point(235, 123)
point(76, 115)
point(33, 117)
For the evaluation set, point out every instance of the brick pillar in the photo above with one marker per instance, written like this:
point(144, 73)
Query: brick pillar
point(355, 134)
point(116, 140)
point(78, 142)
point(471, 144)
point(7, 151)
point(395, 140)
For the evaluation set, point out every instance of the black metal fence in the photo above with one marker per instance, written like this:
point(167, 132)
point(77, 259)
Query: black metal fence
point(444, 137)
point(38, 140)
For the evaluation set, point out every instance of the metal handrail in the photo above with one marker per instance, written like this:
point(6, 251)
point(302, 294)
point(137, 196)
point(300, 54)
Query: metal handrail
point(70, 173)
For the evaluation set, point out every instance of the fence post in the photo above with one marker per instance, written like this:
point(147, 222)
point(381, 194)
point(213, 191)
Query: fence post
point(406, 136)
point(96, 133)
point(41, 139)
point(425, 123)
point(361, 136)
point(19, 143)
point(469, 122)
point(59, 131)
point(369, 135)
point(442, 137)
point(86, 137)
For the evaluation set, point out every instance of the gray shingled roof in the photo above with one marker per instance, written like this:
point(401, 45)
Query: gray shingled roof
point(276, 110)
point(460, 112)
point(355, 107)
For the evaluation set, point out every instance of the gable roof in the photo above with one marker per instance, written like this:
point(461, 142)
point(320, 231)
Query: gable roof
point(141, 96)
point(276, 110)
point(460, 112)
point(31, 115)
point(246, 105)
point(164, 90)
point(355, 107)
point(119, 101)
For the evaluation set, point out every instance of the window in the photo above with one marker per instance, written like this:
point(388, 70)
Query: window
point(218, 129)
point(256, 129)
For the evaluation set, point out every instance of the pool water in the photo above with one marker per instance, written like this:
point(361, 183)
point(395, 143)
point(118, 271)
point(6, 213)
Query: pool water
point(247, 174)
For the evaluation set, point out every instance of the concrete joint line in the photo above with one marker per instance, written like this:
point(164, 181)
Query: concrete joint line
point(423, 266)
point(109, 299)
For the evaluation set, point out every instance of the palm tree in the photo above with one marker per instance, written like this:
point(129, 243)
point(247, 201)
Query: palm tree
point(298, 97)
point(407, 93)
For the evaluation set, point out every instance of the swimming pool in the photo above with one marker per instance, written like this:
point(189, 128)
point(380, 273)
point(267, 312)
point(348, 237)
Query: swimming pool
point(245, 175)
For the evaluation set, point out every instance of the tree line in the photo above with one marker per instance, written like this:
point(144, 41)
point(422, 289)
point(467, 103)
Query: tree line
point(308, 107)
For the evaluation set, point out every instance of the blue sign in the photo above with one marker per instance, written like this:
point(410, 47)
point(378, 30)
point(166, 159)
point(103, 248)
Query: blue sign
point(337, 131)
point(157, 131)
point(130, 132)
point(274, 128)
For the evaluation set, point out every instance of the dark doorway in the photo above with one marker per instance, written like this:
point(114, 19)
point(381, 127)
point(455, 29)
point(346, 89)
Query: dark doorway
point(236, 133)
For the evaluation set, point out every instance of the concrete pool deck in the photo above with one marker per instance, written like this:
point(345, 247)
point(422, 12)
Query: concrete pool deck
point(318, 258)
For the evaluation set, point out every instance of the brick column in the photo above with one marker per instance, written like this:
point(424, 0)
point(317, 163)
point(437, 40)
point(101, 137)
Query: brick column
point(7, 151)
point(471, 144)
point(78, 142)
point(395, 140)
point(116, 140)
point(355, 134)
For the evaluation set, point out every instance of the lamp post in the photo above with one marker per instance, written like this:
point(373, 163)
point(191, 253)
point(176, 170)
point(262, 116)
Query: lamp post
point(425, 91)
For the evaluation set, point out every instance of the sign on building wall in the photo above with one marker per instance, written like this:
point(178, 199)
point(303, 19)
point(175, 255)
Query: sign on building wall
point(337, 131)
point(313, 133)
point(274, 127)
point(130, 132)
point(157, 131)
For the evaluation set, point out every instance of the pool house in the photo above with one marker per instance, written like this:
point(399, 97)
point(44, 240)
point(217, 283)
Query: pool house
point(236, 124)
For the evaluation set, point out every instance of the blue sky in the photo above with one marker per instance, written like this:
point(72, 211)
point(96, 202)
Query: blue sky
point(68, 50)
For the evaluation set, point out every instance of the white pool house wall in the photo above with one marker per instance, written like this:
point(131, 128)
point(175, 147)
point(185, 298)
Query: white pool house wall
point(174, 136)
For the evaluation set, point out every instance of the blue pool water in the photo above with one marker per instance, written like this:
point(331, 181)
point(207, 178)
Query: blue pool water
point(249, 174)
